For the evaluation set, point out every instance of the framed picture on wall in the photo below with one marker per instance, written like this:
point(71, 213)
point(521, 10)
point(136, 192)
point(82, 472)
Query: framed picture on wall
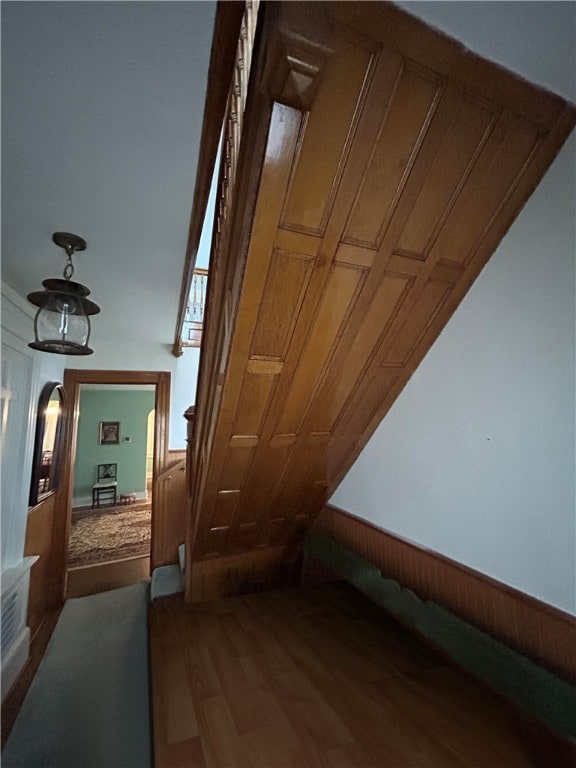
point(109, 432)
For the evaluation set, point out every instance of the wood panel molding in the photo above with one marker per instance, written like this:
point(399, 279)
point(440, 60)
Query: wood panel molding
point(172, 510)
point(190, 416)
point(39, 541)
point(174, 457)
point(353, 219)
point(73, 379)
point(218, 577)
point(43, 608)
point(296, 62)
point(417, 41)
point(537, 630)
point(102, 577)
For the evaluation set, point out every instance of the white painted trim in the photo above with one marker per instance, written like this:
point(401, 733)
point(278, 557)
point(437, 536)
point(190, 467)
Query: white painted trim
point(11, 575)
point(16, 583)
point(9, 294)
point(14, 661)
point(17, 315)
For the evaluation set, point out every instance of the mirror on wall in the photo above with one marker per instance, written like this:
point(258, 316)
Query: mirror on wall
point(48, 442)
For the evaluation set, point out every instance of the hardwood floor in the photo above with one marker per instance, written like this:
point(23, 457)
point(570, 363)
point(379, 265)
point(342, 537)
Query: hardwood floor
point(314, 676)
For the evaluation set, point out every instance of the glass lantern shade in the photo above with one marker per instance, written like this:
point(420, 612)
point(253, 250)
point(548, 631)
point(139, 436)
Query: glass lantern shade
point(62, 323)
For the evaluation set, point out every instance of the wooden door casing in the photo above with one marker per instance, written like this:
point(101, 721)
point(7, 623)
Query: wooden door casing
point(73, 379)
point(394, 162)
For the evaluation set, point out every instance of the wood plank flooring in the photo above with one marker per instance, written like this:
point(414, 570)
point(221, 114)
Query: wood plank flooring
point(315, 676)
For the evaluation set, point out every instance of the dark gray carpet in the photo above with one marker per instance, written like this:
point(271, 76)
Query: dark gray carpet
point(88, 706)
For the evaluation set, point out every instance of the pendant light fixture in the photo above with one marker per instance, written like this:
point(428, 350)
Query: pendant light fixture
point(62, 323)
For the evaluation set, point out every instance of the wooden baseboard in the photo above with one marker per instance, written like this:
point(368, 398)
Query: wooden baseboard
point(42, 575)
point(91, 579)
point(267, 568)
point(536, 630)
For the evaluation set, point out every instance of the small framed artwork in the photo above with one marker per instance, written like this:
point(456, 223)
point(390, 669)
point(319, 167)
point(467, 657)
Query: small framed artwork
point(109, 432)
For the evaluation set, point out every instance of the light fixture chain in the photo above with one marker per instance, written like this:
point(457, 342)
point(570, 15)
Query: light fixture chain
point(69, 268)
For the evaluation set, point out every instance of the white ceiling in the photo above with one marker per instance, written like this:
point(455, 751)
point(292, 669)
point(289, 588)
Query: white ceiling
point(533, 39)
point(101, 115)
point(102, 106)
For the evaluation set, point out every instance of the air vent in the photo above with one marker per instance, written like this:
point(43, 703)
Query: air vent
point(10, 622)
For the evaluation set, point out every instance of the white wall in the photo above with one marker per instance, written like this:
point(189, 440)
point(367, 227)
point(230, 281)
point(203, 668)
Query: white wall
point(534, 39)
point(476, 459)
point(17, 331)
point(183, 395)
point(203, 255)
point(112, 354)
point(146, 356)
point(24, 373)
point(32, 369)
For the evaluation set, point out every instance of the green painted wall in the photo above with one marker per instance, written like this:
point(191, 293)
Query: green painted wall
point(131, 409)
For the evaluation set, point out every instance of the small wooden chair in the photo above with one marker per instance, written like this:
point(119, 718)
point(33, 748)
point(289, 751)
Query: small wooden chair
point(107, 485)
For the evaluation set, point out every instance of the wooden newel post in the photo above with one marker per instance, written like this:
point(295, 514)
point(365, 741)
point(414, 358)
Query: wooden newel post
point(190, 416)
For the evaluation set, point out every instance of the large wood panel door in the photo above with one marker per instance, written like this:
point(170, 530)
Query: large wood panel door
point(378, 167)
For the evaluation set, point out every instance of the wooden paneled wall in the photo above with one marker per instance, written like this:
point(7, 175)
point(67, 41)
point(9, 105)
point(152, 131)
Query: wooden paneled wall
point(537, 630)
point(267, 568)
point(174, 457)
point(172, 505)
point(44, 575)
point(369, 173)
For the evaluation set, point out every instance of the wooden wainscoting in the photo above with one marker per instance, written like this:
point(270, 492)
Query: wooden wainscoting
point(43, 576)
point(102, 577)
point(174, 456)
point(172, 508)
point(539, 631)
point(43, 610)
point(245, 572)
point(367, 177)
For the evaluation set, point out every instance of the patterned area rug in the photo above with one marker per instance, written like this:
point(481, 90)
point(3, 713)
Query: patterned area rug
point(109, 533)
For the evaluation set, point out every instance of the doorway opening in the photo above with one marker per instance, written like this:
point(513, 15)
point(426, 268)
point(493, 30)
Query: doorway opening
point(112, 498)
point(117, 441)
